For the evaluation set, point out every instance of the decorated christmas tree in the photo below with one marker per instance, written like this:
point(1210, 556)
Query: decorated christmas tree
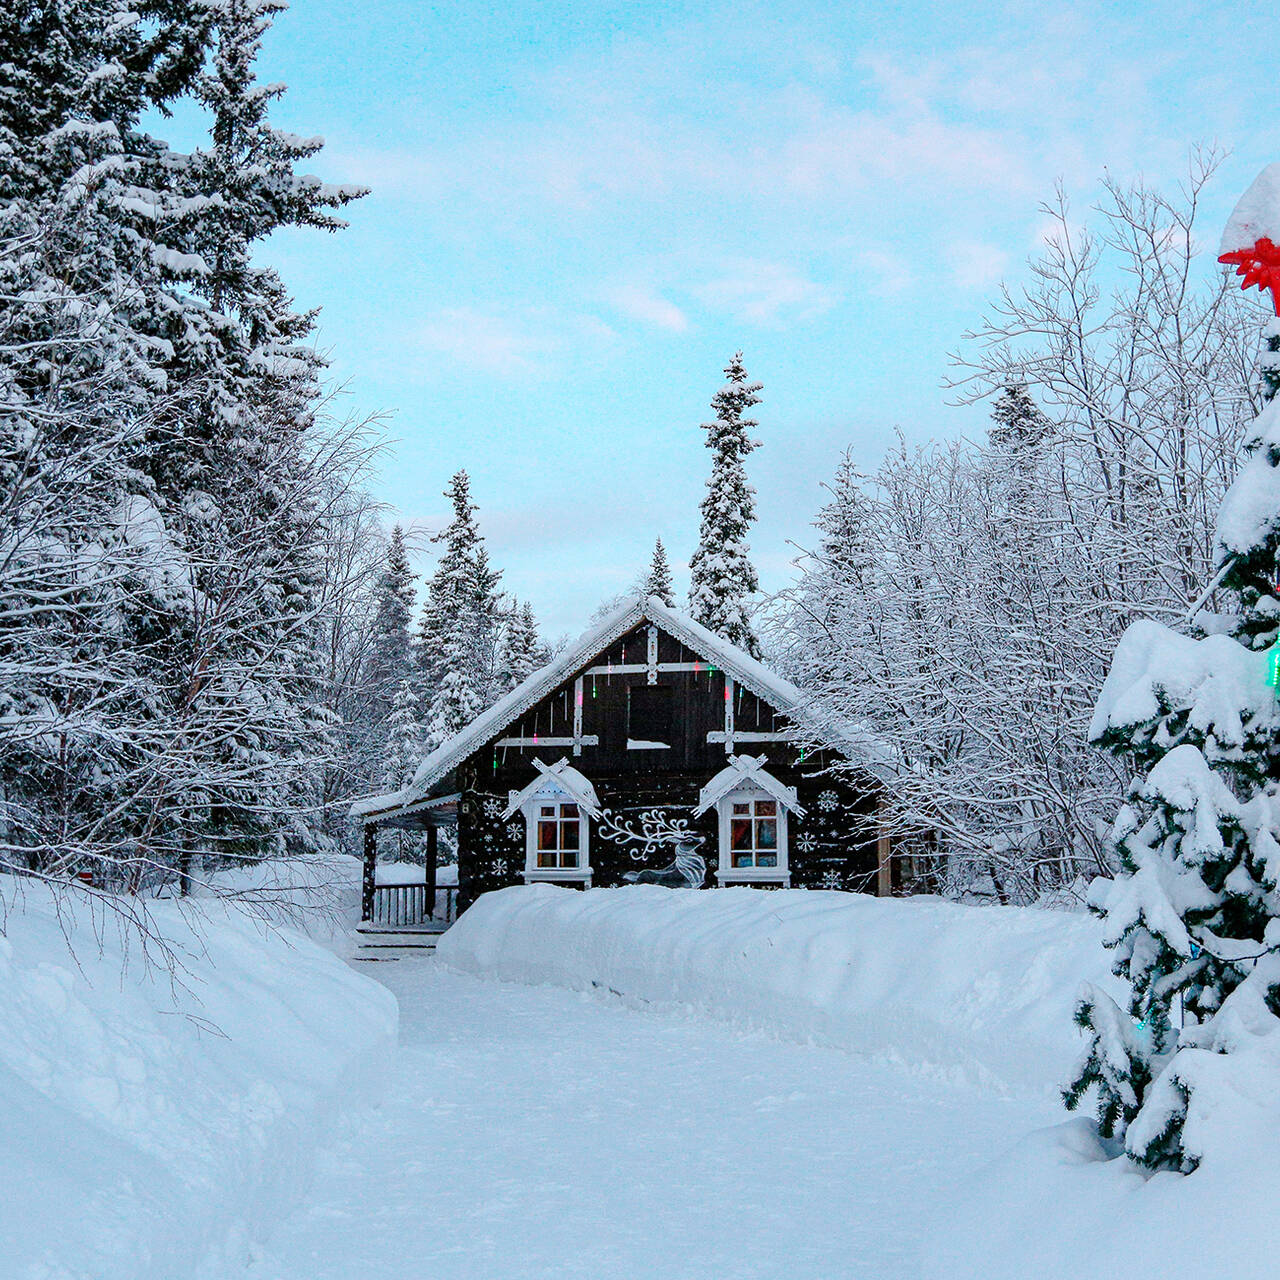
point(1193, 914)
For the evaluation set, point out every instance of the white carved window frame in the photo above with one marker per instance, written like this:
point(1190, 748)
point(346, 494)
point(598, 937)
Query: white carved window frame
point(726, 872)
point(534, 874)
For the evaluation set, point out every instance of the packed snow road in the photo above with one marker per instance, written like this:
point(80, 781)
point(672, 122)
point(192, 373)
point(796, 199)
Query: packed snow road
point(531, 1132)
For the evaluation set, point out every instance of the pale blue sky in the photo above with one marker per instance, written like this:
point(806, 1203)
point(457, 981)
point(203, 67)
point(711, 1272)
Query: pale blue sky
point(580, 210)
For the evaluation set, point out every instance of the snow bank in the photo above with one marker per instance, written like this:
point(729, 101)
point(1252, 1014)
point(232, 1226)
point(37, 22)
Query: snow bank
point(151, 1124)
point(980, 993)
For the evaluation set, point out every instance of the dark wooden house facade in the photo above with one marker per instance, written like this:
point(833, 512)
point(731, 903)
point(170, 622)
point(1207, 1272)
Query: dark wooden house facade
point(650, 750)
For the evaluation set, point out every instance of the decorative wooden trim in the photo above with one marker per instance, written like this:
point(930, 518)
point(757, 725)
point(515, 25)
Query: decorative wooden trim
point(549, 875)
point(577, 718)
point(642, 668)
point(577, 742)
point(653, 654)
point(754, 875)
point(728, 713)
point(750, 735)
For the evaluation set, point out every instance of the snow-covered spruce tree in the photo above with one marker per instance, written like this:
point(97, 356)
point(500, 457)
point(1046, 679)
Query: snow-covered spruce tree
point(391, 652)
point(248, 473)
point(722, 579)
point(198, 726)
point(460, 622)
point(659, 581)
point(522, 651)
point(1194, 911)
point(404, 738)
point(92, 585)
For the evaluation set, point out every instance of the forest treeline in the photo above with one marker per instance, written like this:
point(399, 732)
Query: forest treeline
point(964, 598)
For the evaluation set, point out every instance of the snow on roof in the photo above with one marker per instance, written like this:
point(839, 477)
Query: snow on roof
point(1256, 215)
point(561, 777)
point(743, 771)
point(854, 741)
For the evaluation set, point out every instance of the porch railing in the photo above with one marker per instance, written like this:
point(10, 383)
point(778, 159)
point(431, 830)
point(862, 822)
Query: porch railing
point(407, 904)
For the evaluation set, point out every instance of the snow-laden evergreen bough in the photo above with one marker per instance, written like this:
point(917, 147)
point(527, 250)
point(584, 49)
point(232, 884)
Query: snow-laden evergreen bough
point(1193, 914)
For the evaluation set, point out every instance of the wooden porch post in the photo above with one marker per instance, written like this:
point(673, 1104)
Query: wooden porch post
point(368, 880)
point(884, 858)
point(433, 842)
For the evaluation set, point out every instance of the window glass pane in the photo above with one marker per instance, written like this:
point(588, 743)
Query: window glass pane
point(742, 860)
point(740, 833)
point(766, 808)
point(569, 835)
point(569, 858)
point(546, 858)
point(766, 833)
point(547, 811)
point(766, 859)
point(547, 835)
point(742, 808)
point(568, 810)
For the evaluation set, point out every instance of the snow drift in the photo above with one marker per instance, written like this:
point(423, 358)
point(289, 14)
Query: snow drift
point(155, 1122)
point(982, 993)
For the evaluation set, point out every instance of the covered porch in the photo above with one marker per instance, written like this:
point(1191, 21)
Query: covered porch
point(398, 911)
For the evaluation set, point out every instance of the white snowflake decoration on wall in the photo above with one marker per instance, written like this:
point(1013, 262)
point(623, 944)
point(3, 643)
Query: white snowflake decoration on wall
point(806, 843)
point(493, 807)
point(831, 879)
point(513, 831)
point(828, 800)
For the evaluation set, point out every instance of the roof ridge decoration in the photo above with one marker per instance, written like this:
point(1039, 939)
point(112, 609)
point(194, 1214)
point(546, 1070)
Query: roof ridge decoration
point(747, 671)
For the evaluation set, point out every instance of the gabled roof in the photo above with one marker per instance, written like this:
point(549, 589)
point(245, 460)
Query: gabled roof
point(854, 742)
point(562, 777)
point(747, 771)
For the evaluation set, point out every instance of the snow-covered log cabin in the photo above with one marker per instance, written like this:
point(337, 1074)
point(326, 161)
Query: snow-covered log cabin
point(650, 750)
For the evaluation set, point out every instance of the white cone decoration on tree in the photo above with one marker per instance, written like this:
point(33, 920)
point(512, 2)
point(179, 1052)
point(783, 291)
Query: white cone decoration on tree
point(1194, 911)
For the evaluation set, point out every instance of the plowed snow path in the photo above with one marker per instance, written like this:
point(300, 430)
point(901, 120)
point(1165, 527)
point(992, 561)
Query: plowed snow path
point(530, 1132)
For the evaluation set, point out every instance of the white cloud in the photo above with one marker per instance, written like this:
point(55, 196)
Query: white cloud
point(640, 302)
point(977, 265)
point(765, 293)
point(483, 341)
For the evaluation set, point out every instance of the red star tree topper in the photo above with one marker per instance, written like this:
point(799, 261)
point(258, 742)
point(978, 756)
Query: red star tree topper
point(1250, 242)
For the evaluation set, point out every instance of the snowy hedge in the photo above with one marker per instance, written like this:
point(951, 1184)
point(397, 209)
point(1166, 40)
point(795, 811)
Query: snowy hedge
point(980, 992)
point(150, 1126)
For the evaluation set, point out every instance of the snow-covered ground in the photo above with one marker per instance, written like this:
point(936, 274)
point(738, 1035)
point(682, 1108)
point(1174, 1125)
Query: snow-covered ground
point(670, 1086)
point(976, 993)
point(535, 1132)
point(152, 1122)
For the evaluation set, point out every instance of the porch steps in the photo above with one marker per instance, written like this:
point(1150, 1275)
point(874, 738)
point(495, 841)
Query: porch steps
point(396, 941)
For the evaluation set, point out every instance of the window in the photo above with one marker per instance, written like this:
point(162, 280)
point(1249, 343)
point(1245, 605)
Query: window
point(753, 833)
point(753, 838)
point(558, 836)
point(650, 716)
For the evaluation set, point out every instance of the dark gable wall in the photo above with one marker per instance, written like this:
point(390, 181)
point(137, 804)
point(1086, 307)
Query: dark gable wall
point(832, 846)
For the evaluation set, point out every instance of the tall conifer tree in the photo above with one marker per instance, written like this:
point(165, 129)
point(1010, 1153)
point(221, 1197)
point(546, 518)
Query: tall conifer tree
point(460, 621)
point(722, 578)
point(391, 657)
point(659, 582)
